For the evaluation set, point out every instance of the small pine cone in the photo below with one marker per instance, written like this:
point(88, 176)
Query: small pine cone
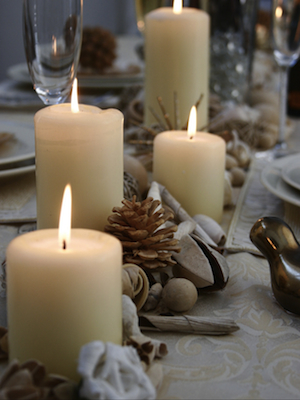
point(28, 381)
point(98, 49)
point(136, 225)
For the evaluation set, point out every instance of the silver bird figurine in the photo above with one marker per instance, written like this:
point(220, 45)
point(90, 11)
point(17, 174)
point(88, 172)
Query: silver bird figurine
point(276, 241)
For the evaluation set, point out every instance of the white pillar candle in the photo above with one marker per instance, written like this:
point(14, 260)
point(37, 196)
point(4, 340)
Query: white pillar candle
point(192, 169)
point(59, 299)
point(84, 149)
point(177, 60)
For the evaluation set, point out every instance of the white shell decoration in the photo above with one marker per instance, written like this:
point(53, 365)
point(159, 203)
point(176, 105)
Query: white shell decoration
point(135, 284)
point(211, 227)
point(112, 372)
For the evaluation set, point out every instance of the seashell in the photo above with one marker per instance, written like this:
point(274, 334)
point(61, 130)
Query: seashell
point(193, 264)
point(268, 113)
point(218, 265)
point(185, 228)
point(135, 284)
point(230, 161)
point(137, 170)
point(227, 189)
point(180, 213)
point(211, 227)
point(241, 152)
point(154, 297)
point(238, 176)
point(179, 294)
point(267, 140)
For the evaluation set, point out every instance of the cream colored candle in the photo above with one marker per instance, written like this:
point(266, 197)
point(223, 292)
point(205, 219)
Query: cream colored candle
point(84, 149)
point(192, 169)
point(60, 299)
point(177, 60)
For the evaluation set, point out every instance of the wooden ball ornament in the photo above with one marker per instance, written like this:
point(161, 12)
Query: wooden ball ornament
point(179, 295)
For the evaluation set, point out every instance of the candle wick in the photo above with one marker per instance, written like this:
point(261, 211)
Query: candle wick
point(191, 137)
point(64, 245)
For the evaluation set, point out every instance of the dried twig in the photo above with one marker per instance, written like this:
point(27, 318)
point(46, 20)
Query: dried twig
point(165, 114)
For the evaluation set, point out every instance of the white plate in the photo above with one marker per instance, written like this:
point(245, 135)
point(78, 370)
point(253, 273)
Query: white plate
point(21, 147)
point(126, 59)
point(9, 173)
point(291, 173)
point(271, 178)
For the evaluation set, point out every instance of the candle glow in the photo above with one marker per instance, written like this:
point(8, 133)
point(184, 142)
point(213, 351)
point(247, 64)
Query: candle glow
point(278, 12)
point(64, 230)
point(192, 124)
point(54, 45)
point(74, 98)
point(177, 6)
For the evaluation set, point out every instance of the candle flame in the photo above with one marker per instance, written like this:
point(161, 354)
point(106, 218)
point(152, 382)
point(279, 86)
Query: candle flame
point(54, 45)
point(192, 124)
point(74, 98)
point(177, 6)
point(278, 12)
point(64, 229)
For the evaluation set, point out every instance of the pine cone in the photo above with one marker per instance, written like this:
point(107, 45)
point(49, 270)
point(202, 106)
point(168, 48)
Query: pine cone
point(98, 49)
point(28, 381)
point(136, 226)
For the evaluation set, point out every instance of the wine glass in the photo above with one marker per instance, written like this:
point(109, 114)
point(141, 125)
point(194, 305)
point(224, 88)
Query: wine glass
point(52, 33)
point(286, 50)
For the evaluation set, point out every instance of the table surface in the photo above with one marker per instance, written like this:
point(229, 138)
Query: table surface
point(259, 361)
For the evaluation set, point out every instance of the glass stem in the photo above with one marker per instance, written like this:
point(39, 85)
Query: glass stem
point(282, 103)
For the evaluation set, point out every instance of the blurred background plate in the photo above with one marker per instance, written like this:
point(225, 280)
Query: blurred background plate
point(271, 178)
point(21, 146)
point(291, 173)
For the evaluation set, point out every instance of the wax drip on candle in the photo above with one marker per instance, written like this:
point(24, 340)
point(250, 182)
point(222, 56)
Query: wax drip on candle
point(64, 230)
point(192, 124)
point(177, 6)
point(74, 98)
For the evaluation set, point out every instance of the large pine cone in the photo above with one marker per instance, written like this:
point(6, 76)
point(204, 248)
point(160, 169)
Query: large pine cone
point(98, 49)
point(136, 226)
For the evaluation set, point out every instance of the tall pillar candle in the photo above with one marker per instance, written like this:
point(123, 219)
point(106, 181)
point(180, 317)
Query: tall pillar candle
point(85, 149)
point(192, 170)
point(177, 60)
point(60, 299)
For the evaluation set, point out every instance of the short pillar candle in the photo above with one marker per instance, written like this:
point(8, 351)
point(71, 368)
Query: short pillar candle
point(60, 299)
point(192, 168)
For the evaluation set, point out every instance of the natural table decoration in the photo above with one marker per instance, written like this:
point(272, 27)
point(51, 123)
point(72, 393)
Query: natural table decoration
point(180, 255)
